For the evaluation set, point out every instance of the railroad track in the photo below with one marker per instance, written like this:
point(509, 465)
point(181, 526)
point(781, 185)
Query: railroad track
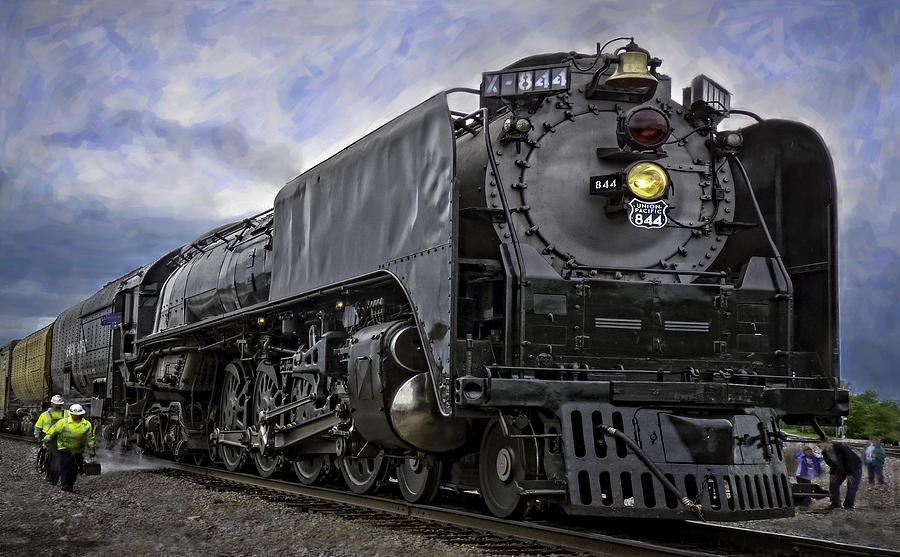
point(22, 438)
point(754, 542)
point(857, 444)
point(503, 537)
point(457, 526)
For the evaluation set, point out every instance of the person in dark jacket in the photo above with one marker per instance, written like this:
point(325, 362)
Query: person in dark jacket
point(844, 464)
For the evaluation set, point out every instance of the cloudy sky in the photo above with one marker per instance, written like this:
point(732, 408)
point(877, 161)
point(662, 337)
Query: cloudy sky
point(128, 128)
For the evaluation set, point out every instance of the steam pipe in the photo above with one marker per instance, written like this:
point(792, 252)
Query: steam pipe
point(690, 505)
point(818, 428)
point(746, 113)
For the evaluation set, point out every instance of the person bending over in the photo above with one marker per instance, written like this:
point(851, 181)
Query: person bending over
point(844, 464)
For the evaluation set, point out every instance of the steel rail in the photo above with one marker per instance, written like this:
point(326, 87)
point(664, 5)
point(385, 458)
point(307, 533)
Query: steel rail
point(758, 542)
point(705, 538)
point(889, 450)
point(589, 542)
point(16, 437)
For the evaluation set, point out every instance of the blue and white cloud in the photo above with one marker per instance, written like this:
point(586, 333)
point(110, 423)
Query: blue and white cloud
point(128, 128)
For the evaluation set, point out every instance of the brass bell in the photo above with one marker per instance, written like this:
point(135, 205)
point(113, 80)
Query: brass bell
point(631, 72)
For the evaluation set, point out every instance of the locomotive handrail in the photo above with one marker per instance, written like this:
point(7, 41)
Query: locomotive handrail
point(191, 250)
point(720, 274)
point(732, 379)
point(463, 90)
point(490, 368)
point(789, 317)
point(514, 235)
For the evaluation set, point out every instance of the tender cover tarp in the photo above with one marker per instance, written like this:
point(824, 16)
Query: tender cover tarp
point(386, 197)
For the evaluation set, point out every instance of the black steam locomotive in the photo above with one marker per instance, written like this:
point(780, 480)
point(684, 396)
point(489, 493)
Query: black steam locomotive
point(583, 294)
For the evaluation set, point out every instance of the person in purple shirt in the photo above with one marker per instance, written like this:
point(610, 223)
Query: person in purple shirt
point(809, 467)
point(844, 464)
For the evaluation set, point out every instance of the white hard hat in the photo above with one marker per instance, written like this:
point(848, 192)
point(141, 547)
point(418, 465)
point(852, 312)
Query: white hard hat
point(76, 410)
point(57, 400)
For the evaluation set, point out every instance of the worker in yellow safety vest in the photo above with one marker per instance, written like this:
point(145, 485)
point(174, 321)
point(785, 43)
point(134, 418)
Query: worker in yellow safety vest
point(44, 422)
point(73, 433)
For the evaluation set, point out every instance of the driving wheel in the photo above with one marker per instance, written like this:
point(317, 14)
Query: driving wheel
point(501, 464)
point(309, 469)
point(420, 478)
point(233, 411)
point(267, 394)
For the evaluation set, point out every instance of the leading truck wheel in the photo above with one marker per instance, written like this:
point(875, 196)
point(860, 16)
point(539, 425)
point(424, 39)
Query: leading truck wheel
point(233, 410)
point(267, 394)
point(419, 478)
point(310, 470)
point(501, 466)
point(362, 475)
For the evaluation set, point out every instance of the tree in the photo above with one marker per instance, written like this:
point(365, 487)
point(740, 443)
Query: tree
point(870, 417)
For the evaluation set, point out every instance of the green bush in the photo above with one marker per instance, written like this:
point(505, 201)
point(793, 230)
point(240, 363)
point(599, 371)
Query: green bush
point(870, 417)
point(806, 430)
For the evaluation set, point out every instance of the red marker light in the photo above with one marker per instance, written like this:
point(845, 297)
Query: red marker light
point(648, 127)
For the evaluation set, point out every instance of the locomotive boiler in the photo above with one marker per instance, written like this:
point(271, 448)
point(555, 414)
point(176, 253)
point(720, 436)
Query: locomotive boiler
point(582, 294)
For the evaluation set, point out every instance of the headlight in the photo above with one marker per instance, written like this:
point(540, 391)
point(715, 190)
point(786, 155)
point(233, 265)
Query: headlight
point(647, 181)
point(734, 139)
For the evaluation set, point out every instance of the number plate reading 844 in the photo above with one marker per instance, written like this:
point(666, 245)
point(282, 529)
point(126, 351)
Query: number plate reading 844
point(644, 214)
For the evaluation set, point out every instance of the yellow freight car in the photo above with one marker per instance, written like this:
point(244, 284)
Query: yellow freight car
point(31, 368)
point(5, 368)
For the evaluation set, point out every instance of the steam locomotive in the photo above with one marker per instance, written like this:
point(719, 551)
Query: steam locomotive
point(582, 294)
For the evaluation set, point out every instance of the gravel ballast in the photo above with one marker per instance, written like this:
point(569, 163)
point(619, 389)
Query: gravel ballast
point(136, 511)
point(139, 512)
point(875, 520)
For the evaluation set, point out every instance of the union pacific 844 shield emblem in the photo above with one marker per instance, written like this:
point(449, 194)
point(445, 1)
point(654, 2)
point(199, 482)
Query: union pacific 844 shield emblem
point(644, 214)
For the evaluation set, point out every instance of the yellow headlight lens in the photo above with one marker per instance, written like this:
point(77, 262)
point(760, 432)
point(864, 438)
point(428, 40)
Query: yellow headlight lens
point(647, 180)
